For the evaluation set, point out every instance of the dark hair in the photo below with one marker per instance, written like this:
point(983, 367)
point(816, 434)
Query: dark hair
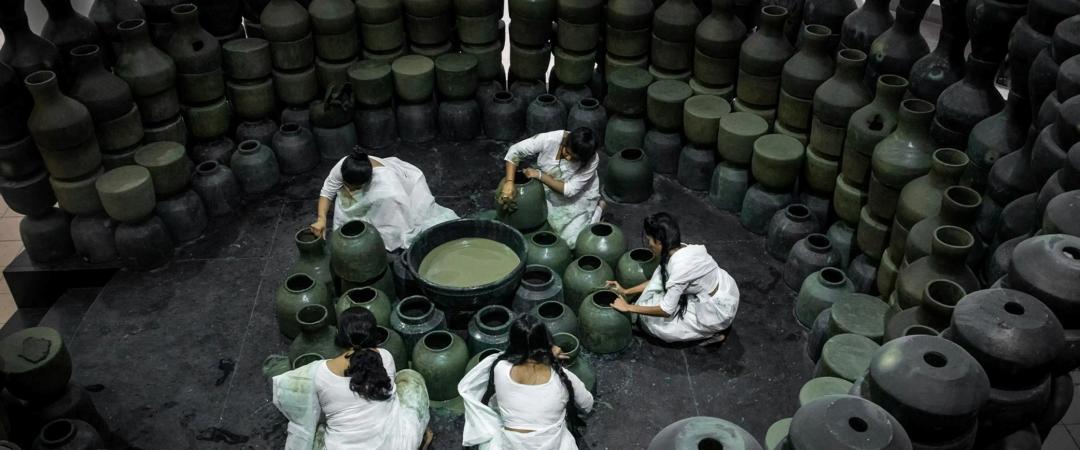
point(531, 340)
point(582, 144)
point(356, 169)
point(367, 376)
point(664, 228)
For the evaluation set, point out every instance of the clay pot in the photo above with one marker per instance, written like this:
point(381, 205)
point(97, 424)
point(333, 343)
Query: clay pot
point(787, 227)
point(864, 25)
point(603, 240)
point(194, 50)
point(357, 253)
point(636, 267)
point(459, 120)
point(184, 215)
point(822, 386)
point(25, 51)
point(68, 434)
point(696, 164)
point(845, 356)
point(728, 186)
point(921, 198)
point(868, 126)
point(332, 16)
point(628, 179)
point(143, 245)
point(218, 150)
point(372, 83)
point(441, 357)
point(701, 117)
point(150, 72)
point(489, 60)
point(127, 193)
point(903, 155)
point(759, 205)
point(62, 129)
point(504, 117)
point(703, 432)
point(1037, 268)
point(629, 14)
point(527, 91)
point(413, 317)
point(624, 132)
point(77, 196)
point(777, 161)
point(391, 341)
point(665, 104)
point(572, 67)
point(298, 291)
point(528, 211)
point(835, 420)
point(490, 329)
point(959, 207)
point(584, 276)
point(808, 255)
point(284, 20)
point(529, 63)
point(539, 284)
point(765, 51)
point(217, 187)
point(1060, 215)
point(818, 292)
point(247, 59)
point(296, 88)
point(628, 90)
point(899, 47)
point(545, 114)
point(107, 13)
point(810, 66)
point(456, 75)
point(835, 101)
point(294, 148)
point(720, 34)
point(946, 261)
point(737, 133)
point(45, 376)
point(375, 128)
point(558, 317)
point(986, 21)
point(587, 113)
point(370, 298)
point(604, 330)
point(316, 333)
point(966, 103)
point(939, 69)
point(105, 95)
point(548, 249)
point(92, 237)
point(255, 167)
point(168, 164)
point(576, 363)
point(676, 20)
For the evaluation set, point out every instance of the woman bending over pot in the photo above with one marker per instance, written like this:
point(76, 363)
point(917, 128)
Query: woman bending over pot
point(365, 404)
point(689, 296)
point(566, 165)
point(388, 193)
point(523, 398)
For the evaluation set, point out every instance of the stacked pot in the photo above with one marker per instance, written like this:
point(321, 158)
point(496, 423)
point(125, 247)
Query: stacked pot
point(716, 51)
point(159, 19)
point(222, 19)
point(142, 238)
point(835, 101)
point(701, 122)
point(428, 24)
point(664, 108)
point(736, 134)
point(382, 29)
point(373, 91)
point(336, 40)
point(199, 77)
point(481, 33)
point(109, 99)
point(530, 47)
point(107, 14)
point(672, 49)
point(178, 207)
point(151, 73)
point(248, 64)
point(414, 83)
point(288, 29)
point(775, 165)
point(577, 40)
point(457, 80)
point(807, 69)
point(761, 64)
point(628, 34)
point(626, 100)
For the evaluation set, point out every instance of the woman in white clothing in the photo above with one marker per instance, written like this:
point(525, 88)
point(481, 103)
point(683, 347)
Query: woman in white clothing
point(522, 398)
point(388, 193)
point(566, 165)
point(363, 406)
point(689, 296)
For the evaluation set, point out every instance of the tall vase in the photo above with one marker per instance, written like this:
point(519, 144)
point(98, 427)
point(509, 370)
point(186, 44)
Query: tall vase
point(762, 57)
point(25, 51)
point(107, 13)
point(105, 95)
point(947, 260)
point(68, 29)
point(314, 259)
point(944, 66)
point(676, 20)
point(867, 127)
point(921, 197)
point(996, 136)
point(830, 13)
point(989, 22)
point(902, 156)
point(865, 24)
point(720, 34)
point(835, 101)
point(959, 208)
point(62, 129)
point(150, 72)
point(897, 49)
point(807, 69)
point(964, 104)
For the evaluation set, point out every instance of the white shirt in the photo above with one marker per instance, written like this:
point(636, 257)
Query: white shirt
point(531, 407)
point(354, 422)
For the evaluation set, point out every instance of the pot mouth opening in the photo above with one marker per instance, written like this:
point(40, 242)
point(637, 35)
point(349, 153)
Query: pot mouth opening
point(604, 299)
point(353, 228)
point(817, 30)
point(642, 255)
point(311, 314)
point(1014, 308)
point(551, 310)
point(1072, 253)
point(248, 146)
point(546, 99)
point(709, 444)
point(438, 340)
point(589, 263)
point(85, 50)
point(381, 335)
point(40, 77)
point(290, 127)
point(184, 8)
point(935, 359)
point(58, 431)
point(131, 24)
point(851, 54)
point(537, 275)
point(415, 307)
point(917, 106)
point(953, 236)
point(798, 211)
point(818, 241)
point(545, 238)
point(589, 103)
point(920, 330)
point(601, 229)
point(963, 196)
point(895, 81)
point(566, 342)
point(305, 236)
point(833, 275)
point(632, 154)
point(858, 424)
point(206, 167)
point(950, 157)
point(361, 295)
point(495, 317)
point(944, 292)
point(486, 352)
point(502, 96)
point(299, 282)
point(305, 359)
point(774, 11)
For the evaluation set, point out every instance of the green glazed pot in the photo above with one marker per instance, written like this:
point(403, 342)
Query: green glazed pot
point(296, 88)
point(665, 104)
point(490, 328)
point(146, 69)
point(77, 196)
point(921, 198)
point(603, 240)
point(868, 126)
point(332, 16)
point(255, 166)
point(721, 33)
point(736, 134)
point(777, 161)
point(539, 284)
point(208, 122)
point(820, 172)
point(428, 31)
point(623, 133)
point(818, 292)
point(391, 341)
point(728, 187)
point(414, 77)
point(372, 82)
point(627, 90)
point(572, 67)
point(297, 291)
point(489, 60)
point(36, 362)
point(252, 101)
point(383, 37)
point(629, 177)
point(284, 20)
point(635, 267)
point(357, 252)
point(316, 334)
point(703, 433)
point(836, 100)
point(819, 387)
point(57, 122)
point(548, 249)
point(441, 357)
point(906, 153)
point(603, 329)
point(529, 63)
point(413, 317)
point(759, 205)
point(193, 49)
point(947, 260)
point(127, 193)
point(765, 51)
point(872, 235)
point(811, 65)
point(584, 276)
point(378, 11)
point(314, 261)
point(456, 76)
point(848, 201)
point(959, 207)
point(846, 356)
point(121, 133)
point(337, 47)
point(528, 211)
point(558, 317)
point(367, 297)
point(576, 363)
point(170, 168)
point(480, 357)
point(577, 37)
point(246, 59)
point(701, 118)
point(715, 73)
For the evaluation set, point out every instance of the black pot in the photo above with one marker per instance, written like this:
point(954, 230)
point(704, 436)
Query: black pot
point(47, 236)
point(417, 122)
point(459, 120)
point(375, 128)
point(183, 214)
point(143, 245)
point(93, 238)
point(504, 117)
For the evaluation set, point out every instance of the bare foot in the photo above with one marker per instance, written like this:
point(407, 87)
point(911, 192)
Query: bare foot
point(428, 437)
point(716, 339)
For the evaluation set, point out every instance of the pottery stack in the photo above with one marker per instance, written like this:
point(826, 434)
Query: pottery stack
point(939, 69)
point(862, 26)
point(159, 20)
point(807, 69)
point(530, 47)
point(151, 73)
point(481, 33)
point(63, 130)
point(199, 76)
point(373, 91)
point(701, 124)
point(222, 18)
point(337, 43)
point(25, 51)
point(664, 109)
point(332, 126)
point(761, 65)
point(106, 14)
point(626, 100)
point(288, 29)
point(417, 111)
point(456, 75)
point(577, 39)
point(127, 194)
point(627, 35)
point(68, 29)
point(250, 88)
point(671, 55)
point(382, 29)
point(775, 166)
point(429, 24)
point(716, 51)
point(736, 134)
point(109, 99)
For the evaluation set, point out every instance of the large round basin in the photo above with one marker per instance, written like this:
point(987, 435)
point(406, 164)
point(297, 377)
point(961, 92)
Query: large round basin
point(500, 291)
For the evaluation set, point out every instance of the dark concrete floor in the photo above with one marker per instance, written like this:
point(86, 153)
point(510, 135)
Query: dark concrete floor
point(176, 354)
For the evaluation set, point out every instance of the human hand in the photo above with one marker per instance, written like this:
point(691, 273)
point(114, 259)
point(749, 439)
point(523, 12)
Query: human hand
point(615, 286)
point(531, 173)
point(557, 351)
point(620, 305)
point(507, 192)
point(319, 228)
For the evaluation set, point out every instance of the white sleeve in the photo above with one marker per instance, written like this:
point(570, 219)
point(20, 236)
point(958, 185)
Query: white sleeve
point(670, 302)
point(581, 179)
point(388, 362)
point(529, 147)
point(582, 396)
point(333, 182)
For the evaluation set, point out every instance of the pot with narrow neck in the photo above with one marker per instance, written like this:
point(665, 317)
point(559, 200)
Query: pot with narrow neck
point(490, 328)
point(68, 29)
point(964, 104)
point(313, 259)
point(298, 290)
point(413, 317)
point(25, 51)
point(905, 154)
point(577, 364)
point(604, 330)
point(947, 260)
point(316, 333)
point(897, 49)
point(870, 125)
point(104, 94)
point(539, 284)
point(865, 24)
point(549, 250)
point(558, 317)
point(959, 207)
point(939, 69)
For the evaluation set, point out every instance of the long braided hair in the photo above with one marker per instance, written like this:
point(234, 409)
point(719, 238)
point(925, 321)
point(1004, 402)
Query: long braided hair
point(367, 376)
point(663, 228)
point(530, 340)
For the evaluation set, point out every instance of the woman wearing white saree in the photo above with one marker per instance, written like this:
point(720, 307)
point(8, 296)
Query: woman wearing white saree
point(689, 296)
point(522, 399)
point(388, 193)
point(567, 164)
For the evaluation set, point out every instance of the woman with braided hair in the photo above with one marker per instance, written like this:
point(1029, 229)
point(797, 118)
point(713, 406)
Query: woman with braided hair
point(523, 398)
point(689, 296)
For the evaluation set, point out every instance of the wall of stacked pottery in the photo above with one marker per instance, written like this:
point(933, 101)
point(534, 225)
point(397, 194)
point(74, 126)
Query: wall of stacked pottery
point(914, 207)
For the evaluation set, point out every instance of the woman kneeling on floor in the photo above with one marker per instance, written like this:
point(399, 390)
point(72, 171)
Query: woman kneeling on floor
point(364, 403)
point(689, 296)
point(523, 398)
